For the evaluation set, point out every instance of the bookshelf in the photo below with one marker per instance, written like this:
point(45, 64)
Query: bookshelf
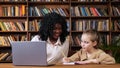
point(97, 15)
point(18, 21)
point(13, 22)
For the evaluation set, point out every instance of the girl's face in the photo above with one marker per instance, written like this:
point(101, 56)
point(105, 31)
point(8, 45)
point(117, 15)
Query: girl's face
point(57, 31)
point(86, 43)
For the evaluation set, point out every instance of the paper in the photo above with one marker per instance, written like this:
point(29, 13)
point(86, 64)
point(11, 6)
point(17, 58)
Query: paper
point(69, 63)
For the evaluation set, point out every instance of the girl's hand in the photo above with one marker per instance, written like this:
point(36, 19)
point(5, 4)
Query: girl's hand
point(65, 59)
point(81, 62)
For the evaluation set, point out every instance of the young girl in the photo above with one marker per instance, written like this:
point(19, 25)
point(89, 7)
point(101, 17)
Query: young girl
point(53, 30)
point(90, 53)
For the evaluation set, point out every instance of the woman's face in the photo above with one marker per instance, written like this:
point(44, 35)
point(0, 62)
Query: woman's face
point(57, 31)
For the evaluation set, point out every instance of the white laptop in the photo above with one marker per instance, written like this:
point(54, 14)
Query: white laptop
point(29, 53)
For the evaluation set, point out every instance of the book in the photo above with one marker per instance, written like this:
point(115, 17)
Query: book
point(23, 10)
point(16, 11)
point(2, 26)
point(77, 11)
point(1, 11)
point(69, 63)
point(4, 56)
point(92, 9)
point(83, 12)
point(87, 11)
point(7, 26)
point(20, 26)
point(72, 9)
point(37, 11)
point(3, 42)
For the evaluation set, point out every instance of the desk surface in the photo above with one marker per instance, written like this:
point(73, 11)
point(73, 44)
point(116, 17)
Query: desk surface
point(9, 65)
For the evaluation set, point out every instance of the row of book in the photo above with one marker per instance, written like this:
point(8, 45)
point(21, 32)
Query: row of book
point(11, 10)
point(11, 0)
point(91, 0)
point(49, 0)
point(115, 0)
point(76, 39)
point(41, 11)
point(78, 25)
point(5, 57)
point(59, 0)
point(100, 25)
point(13, 26)
point(34, 25)
point(5, 40)
point(92, 11)
point(94, 0)
point(88, 11)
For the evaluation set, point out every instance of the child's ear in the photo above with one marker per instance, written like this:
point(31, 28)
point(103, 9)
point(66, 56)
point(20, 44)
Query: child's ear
point(94, 43)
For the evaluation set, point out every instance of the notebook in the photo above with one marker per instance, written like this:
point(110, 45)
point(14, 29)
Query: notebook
point(29, 53)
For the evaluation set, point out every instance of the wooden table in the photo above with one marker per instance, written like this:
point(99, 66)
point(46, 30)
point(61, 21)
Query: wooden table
point(10, 65)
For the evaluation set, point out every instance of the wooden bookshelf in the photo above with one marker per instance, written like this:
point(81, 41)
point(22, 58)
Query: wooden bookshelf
point(25, 15)
point(11, 13)
point(87, 19)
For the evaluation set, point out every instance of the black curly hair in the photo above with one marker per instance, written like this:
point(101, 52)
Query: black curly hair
point(47, 25)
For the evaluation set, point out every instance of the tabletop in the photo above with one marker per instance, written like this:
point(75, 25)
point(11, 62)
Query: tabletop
point(10, 65)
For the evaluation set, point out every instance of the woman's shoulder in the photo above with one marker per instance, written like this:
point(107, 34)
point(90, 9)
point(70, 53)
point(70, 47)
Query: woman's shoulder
point(36, 38)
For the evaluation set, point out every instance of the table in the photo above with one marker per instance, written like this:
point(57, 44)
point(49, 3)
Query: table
point(10, 65)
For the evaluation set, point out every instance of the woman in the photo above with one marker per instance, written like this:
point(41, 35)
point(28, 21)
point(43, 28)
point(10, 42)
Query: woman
point(53, 30)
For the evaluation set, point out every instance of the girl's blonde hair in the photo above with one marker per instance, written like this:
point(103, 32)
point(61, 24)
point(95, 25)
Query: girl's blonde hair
point(94, 36)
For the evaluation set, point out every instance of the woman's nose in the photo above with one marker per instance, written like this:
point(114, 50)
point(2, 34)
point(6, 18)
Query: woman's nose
point(58, 31)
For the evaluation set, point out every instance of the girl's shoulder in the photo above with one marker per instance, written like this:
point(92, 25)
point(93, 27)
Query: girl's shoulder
point(100, 52)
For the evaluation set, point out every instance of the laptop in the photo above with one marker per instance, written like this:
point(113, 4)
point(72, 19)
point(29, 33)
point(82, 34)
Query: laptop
point(29, 53)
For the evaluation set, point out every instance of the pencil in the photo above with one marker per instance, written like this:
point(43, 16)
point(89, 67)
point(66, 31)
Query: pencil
point(63, 53)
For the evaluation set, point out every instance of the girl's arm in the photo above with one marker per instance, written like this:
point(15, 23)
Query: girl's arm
point(87, 61)
point(106, 59)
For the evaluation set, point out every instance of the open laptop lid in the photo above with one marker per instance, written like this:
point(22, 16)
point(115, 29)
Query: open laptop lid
point(29, 53)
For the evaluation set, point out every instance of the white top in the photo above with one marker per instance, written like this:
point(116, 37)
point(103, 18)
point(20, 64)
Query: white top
point(55, 51)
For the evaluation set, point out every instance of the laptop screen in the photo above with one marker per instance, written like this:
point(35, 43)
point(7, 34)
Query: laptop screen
point(29, 53)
